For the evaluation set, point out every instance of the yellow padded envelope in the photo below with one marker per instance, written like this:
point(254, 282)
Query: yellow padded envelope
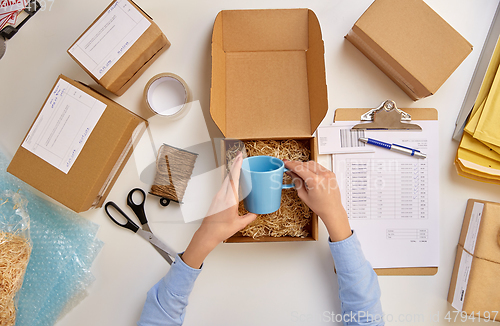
point(491, 72)
point(487, 127)
point(470, 143)
point(474, 161)
point(472, 174)
point(471, 125)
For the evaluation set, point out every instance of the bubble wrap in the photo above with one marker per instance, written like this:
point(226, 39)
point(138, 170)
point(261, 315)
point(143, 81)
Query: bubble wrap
point(64, 247)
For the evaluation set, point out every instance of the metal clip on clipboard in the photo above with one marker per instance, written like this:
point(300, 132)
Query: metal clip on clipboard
point(387, 117)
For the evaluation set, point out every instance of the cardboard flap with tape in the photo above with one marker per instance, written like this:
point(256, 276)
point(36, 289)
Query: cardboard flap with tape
point(70, 159)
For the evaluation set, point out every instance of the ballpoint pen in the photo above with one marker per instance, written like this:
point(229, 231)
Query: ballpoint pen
point(394, 147)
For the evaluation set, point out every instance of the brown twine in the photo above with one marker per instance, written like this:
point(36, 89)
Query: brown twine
point(173, 172)
point(294, 215)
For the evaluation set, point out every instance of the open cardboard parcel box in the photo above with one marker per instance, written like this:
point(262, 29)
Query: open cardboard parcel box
point(268, 81)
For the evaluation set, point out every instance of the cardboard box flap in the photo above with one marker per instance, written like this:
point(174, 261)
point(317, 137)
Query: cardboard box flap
point(265, 30)
point(268, 74)
point(218, 99)
point(318, 93)
point(414, 41)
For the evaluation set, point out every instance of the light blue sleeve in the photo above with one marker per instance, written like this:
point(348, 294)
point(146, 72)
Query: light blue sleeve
point(359, 291)
point(167, 300)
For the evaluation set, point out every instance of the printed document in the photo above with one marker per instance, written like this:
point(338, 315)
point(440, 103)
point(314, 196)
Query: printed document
point(392, 199)
point(109, 38)
point(63, 125)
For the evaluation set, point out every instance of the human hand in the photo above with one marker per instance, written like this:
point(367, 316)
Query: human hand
point(318, 188)
point(222, 219)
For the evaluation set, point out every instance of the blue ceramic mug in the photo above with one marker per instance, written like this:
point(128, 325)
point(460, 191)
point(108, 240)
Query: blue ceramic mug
point(261, 181)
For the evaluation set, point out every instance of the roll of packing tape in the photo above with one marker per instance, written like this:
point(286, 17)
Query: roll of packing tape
point(167, 95)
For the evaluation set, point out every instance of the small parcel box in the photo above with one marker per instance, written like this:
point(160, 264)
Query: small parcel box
point(474, 287)
point(268, 82)
point(77, 145)
point(119, 46)
point(410, 43)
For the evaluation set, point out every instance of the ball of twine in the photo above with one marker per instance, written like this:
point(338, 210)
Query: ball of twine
point(174, 168)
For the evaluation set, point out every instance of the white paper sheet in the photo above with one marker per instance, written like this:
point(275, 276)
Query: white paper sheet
point(109, 38)
point(462, 281)
point(340, 138)
point(393, 199)
point(64, 126)
point(473, 230)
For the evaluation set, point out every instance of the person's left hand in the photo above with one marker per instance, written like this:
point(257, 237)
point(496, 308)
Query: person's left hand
point(222, 219)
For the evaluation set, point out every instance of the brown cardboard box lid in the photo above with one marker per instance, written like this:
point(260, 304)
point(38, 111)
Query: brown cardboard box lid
point(82, 185)
point(268, 74)
point(487, 246)
point(417, 38)
point(135, 60)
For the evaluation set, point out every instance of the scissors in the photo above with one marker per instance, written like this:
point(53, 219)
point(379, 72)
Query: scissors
point(145, 232)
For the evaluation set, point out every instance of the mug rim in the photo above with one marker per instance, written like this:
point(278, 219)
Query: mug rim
point(263, 156)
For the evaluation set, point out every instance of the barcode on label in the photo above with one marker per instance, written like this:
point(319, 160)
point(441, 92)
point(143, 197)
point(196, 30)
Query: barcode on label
point(350, 138)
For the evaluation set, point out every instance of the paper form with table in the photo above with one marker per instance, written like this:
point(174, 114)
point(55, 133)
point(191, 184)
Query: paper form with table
point(392, 199)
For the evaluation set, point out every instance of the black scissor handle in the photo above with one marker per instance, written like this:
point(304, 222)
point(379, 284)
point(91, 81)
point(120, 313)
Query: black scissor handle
point(138, 208)
point(128, 225)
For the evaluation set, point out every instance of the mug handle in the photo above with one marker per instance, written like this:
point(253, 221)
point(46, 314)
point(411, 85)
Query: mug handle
point(287, 185)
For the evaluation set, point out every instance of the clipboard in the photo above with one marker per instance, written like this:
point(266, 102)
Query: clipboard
point(342, 114)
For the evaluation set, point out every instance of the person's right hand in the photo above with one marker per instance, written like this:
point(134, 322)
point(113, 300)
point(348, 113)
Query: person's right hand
point(222, 220)
point(318, 188)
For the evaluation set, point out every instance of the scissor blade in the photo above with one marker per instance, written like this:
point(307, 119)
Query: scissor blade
point(164, 254)
point(157, 243)
point(145, 227)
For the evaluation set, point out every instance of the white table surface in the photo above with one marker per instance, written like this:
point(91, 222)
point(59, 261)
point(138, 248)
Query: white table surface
point(242, 284)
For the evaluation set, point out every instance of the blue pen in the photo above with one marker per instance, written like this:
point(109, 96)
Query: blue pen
point(394, 147)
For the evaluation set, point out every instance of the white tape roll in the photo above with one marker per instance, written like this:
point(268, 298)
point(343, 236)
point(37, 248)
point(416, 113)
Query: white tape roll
point(167, 95)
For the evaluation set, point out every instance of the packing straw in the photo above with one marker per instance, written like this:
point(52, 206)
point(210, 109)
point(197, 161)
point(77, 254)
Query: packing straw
point(15, 249)
point(294, 217)
point(174, 167)
point(64, 246)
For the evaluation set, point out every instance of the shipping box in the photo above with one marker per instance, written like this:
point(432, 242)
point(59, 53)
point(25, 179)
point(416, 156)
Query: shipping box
point(119, 46)
point(474, 286)
point(77, 145)
point(410, 43)
point(268, 81)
